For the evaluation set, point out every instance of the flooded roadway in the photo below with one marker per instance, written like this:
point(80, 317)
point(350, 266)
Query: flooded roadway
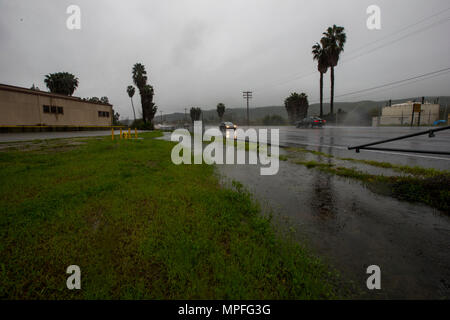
point(351, 227)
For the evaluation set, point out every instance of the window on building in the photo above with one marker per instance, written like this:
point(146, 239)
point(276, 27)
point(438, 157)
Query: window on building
point(60, 110)
point(107, 114)
point(53, 109)
point(46, 109)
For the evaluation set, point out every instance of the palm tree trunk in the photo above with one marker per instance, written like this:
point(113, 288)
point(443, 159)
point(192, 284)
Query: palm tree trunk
point(321, 94)
point(144, 113)
point(332, 91)
point(134, 113)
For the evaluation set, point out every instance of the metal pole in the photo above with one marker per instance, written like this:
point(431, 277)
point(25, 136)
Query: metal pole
point(405, 150)
point(430, 133)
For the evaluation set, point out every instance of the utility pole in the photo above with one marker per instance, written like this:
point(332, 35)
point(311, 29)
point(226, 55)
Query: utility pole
point(248, 96)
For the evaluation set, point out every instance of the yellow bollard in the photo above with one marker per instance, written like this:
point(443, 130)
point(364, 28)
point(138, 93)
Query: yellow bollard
point(112, 134)
point(120, 133)
point(129, 133)
point(135, 133)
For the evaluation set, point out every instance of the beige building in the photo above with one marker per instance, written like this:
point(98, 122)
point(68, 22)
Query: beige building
point(402, 114)
point(26, 107)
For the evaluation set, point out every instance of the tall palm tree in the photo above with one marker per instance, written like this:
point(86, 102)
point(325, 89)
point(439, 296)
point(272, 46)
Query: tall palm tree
point(333, 42)
point(139, 75)
point(320, 55)
point(131, 91)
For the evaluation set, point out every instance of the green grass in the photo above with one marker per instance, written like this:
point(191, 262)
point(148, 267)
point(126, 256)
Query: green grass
point(431, 189)
point(140, 227)
point(416, 171)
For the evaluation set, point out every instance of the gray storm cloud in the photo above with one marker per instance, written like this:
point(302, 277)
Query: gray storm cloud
point(201, 52)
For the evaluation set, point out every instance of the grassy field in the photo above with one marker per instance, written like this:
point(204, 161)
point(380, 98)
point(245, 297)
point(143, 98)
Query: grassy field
point(138, 227)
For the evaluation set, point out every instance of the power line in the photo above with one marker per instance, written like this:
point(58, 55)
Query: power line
point(414, 32)
point(411, 82)
point(404, 84)
point(392, 83)
point(428, 75)
point(402, 29)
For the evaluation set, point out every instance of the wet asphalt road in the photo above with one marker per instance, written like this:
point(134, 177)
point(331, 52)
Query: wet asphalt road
point(339, 138)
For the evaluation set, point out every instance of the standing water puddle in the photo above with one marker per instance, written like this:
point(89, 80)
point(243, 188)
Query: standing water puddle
point(351, 227)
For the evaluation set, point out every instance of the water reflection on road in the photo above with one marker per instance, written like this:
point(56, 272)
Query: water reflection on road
point(352, 228)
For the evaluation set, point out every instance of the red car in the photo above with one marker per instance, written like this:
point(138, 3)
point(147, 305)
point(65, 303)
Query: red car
point(310, 122)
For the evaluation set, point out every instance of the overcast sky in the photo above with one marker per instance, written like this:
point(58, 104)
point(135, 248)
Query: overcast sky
point(201, 52)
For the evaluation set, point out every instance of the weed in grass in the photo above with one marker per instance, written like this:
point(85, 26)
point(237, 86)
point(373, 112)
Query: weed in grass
point(416, 171)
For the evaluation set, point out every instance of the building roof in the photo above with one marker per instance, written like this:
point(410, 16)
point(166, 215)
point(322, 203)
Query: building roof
point(47, 94)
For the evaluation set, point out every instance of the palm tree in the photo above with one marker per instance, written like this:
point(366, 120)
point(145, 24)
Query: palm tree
point(320, 55)
point(146, 92)
point(61, 83)
point(139, 75)
point(297, 106)
point(195, 114)
point(131, 91)
point(220, 110)
point(333, 43)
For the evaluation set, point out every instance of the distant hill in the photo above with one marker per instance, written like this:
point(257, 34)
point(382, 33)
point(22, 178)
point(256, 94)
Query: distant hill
point(357, 113)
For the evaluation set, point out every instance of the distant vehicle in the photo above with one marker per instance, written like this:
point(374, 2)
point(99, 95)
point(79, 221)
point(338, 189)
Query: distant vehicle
point(438, 122)
point(227, 125)
point(310, 122)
